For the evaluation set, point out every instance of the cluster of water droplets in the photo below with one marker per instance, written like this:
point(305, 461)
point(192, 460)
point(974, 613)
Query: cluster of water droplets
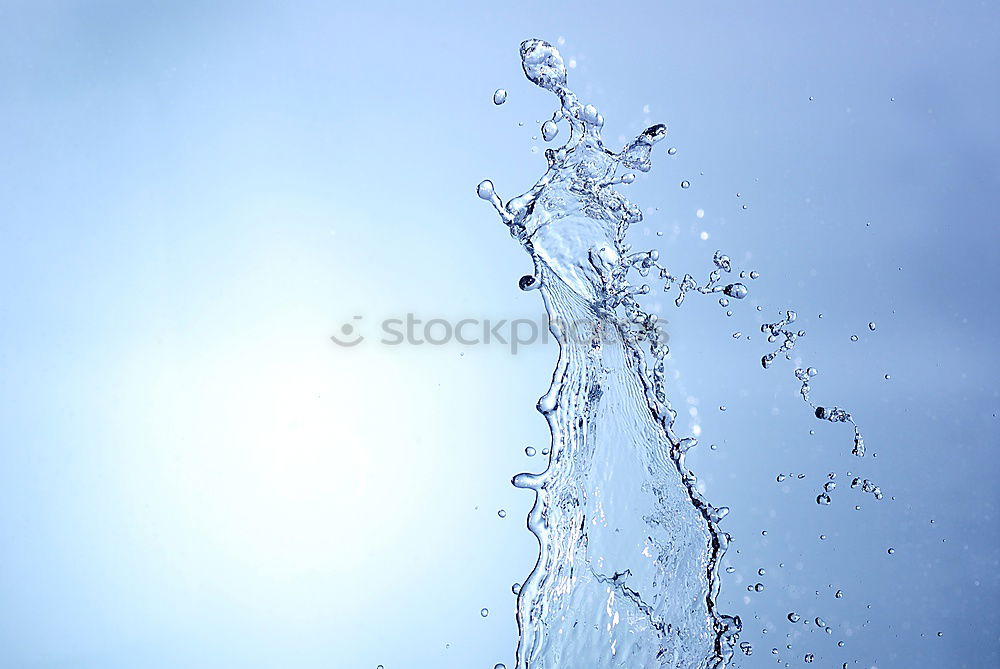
point(627, 573)
point(782, 331)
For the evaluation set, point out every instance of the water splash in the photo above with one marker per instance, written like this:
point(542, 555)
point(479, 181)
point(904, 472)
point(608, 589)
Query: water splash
point(627, 573)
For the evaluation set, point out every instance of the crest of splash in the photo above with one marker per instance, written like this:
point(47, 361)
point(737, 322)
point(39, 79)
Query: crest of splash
point(628, 549)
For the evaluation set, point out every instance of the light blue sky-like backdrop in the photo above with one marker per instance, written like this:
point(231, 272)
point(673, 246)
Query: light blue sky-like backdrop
point(195, 196)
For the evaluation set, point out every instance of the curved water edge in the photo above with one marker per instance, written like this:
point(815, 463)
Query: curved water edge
point(627, 574)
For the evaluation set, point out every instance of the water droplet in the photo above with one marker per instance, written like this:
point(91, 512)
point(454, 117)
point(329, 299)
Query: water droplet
point(530, 451)
point(549, 130)
point(839, 594)
point(672, 150)
point(854, 337)
point(499, 96)
point(516, 588)
point(685, 184)
point(823, 499)
point(485, 190)
point(871, 326)
point(793, 617)
point(809, 656)
point(891, 551)
point(736, 290)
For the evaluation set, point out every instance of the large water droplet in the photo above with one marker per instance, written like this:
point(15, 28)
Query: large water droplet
point(736, 290)
point(542, 64)
point(485, 189)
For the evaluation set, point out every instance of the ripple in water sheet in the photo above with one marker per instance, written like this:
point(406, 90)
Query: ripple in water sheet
point(628, 549)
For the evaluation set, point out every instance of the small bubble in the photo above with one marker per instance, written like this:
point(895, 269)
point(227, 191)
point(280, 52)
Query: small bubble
point(871, 326)
point(499, 96)
point(722, 408)
point(516, 588)
point(891, 551)
point(839, 594)
point(761, 571)
point(672, 150)
point(854, 337)
point(823, 499)
point(793, 617)
point(499, 665)
point(809, 656)
point(759, 587)
point(502, 513)
point(730, 570)
point(485, 612)
point(685, 184)
point(530, 451)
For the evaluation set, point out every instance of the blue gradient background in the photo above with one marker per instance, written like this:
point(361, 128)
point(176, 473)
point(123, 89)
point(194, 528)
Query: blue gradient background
point(194, 197)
